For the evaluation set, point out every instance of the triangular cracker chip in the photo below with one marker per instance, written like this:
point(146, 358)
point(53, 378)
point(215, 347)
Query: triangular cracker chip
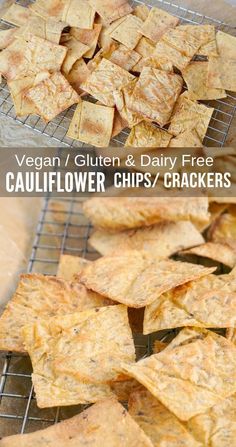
point(218, 252)
point(92, 124)
point(155, 94)
point(145, 134)
point(159, 424)
point(51, 96)
point(40, 296)
point(136, 278)
point(161, 240)
point(122, 213)
point(195, 76)
point(104, 80)
point(48, 29)
point(196, 371)
point(157, 23)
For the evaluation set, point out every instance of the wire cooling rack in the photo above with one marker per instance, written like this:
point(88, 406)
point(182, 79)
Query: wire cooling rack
point(219, 125)
point(62, 228)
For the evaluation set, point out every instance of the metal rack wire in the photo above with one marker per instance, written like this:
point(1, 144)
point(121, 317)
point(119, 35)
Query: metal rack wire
point(218, 128)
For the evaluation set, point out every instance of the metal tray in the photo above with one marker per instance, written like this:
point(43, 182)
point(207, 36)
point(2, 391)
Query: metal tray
point(218, 128)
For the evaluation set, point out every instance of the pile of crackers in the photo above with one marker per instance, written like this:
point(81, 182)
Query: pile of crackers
point(130, 63)
point(79, 328)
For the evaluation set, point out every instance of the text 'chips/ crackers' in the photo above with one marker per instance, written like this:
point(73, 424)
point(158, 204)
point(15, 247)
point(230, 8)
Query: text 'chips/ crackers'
point(206, 302)
point(136, 278)
point(122, 213)
point(39, 296)
point(51, 96)
point(105, 423)
point(92, 124)
point(161, 240)
point(196, 371)
point(29, 57)
point(159, 424)
point(82, 352)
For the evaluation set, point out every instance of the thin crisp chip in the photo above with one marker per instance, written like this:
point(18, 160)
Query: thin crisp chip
point(104, 80)
point(206, 35)
point(19, 87)
point(166, 57)
point(145, 48)
point(221, 73)
point(17, 15)
point(7, 36)
point(136, 278)
point(49, 8)
point(141, 11)
point(217, 426)
point(124, 57)
point(122, 213)
point(145, 134)
point(70, 265)
point(51, 96)
point(182, 379)
point(78, 74)
point(190, 115)
point(157, 23)
point(126, 31)
point(217, 251)
point(226, 45)
point(223, 230)
point(122, 98)
point(48, 29)
point(40, 296)
point(92, 124)
point(110, 10)
point(29, 57)
point(189, 138)
point(75, 52)
point(207, 302)
point(161, 240)
point(155, 94)
point(159, 424)
point(87, 37)
point(195, 76)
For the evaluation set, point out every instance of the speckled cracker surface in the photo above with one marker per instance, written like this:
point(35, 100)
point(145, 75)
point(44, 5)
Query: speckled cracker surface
point(155, 94)
point(121, 213)
point(83, 350)
point(145, 134)
point(161, 240)
point(70, 265)
point(157, 23)
point(92, 124)
point(27, 58)
point(51, 96)
point(207, 302)
point(159, 424)
point(104, 79)
point(195, 372)
point(135, 278)
point(195, 76)
point(39, 296)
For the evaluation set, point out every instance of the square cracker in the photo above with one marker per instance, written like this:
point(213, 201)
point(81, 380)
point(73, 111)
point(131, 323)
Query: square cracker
point(189, 138)
point(221, 73)
point(29, 57)
point(69, 266)
point(166, 57)
point(161, 239)
point(192, 305)
point(155, 94)
point(19, 87)
point(40, 296)
point(145, 134)
point(136, 278)
point(106, 423)
point(86, 348)
point(122, 213)
point(157, 23)
point(92, 124)
point(110, 10)
point(181, 377)
point(88, 37)
point(226, 45)
point(126, 30)
point(6, 37)
point(159, 424)
point(104, 80)
point(17, 15)
point(79, 13)
point(189, 115)
point(195, 76)
point(52, 96)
